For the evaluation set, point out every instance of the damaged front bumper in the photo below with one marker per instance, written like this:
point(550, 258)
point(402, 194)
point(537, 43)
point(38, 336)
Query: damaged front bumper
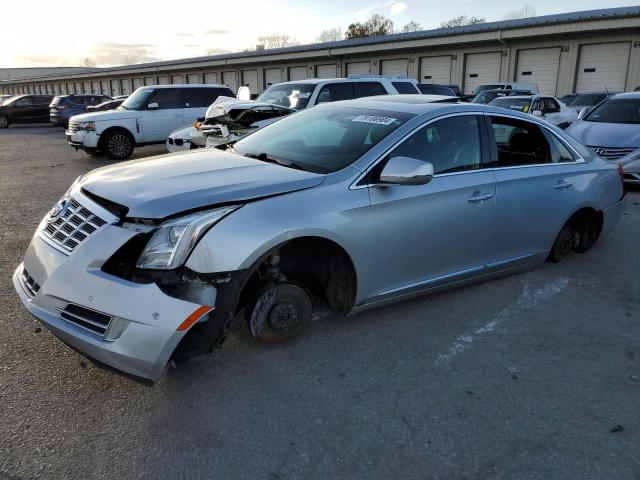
point(132, 327)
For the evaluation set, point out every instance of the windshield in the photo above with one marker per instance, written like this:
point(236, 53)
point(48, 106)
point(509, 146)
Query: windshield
point(293, 95)
point(136, 100)
point(486, 97)
point(622, 110)
point(588, 100)
point(519, 104)
point(482, 88)
point(322, 139)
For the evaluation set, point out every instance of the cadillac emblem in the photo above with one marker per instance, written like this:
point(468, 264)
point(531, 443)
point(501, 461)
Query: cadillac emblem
point(59, 210)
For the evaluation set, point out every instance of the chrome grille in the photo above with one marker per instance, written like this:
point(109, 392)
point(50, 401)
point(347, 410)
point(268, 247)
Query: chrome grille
point(73, 227)
point(29, 284)
point(90, 320)
point(73, 127)
point(612, 153)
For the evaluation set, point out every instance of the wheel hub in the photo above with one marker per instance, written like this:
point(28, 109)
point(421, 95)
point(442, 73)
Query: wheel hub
point(283, 316)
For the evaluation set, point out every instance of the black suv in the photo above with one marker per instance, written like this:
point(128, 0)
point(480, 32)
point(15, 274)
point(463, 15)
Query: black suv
point(63, 107)
point(24, 109)
point(435, 89)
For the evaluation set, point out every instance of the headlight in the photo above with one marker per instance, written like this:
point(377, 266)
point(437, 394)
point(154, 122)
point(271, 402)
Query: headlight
point(172, 242)
point(88, 126)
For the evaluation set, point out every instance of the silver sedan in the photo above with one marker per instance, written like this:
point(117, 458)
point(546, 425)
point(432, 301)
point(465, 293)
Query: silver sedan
point(342, 208)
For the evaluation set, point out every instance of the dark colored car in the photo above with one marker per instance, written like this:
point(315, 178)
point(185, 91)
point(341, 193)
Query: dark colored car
point(104, 106)
point(587, 100)
point(63, 107)
point(490, 95)
point(24, 109)
point(435, 89)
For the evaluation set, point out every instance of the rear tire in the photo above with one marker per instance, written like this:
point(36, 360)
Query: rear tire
point(4, 121)
point(118, 145)
point(565, 243)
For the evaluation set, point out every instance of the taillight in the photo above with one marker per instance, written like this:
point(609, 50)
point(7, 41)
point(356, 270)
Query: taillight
point(621, 174)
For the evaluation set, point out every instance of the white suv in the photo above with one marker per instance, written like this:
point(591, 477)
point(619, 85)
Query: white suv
point(146, 117)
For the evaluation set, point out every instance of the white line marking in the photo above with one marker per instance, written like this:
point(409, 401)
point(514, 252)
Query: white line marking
point(526, 301)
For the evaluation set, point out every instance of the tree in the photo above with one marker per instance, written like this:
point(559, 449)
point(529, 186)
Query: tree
point(461, 21)
point(330, 35)
point(525, 12)
point(375, 26)
point(88, 63)
point(411, 27)
point(276, 40)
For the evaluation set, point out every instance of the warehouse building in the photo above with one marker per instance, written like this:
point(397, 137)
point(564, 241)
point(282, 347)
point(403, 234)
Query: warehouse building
point(581, 51)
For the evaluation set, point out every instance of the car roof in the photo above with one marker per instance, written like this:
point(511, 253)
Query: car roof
point(315, 81)
point(413, 104)
point(188, 85)
point(628, 95)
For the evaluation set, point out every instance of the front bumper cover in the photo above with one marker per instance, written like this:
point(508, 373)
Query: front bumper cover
point(148, 319)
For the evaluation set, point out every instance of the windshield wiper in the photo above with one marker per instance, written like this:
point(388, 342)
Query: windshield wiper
point(266, 158)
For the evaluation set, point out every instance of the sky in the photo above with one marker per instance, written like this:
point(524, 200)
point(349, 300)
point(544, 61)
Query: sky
point(119, 32)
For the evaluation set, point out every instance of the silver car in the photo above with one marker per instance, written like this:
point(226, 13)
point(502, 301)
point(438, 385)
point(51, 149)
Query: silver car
point(612, 131)
point(341, 208)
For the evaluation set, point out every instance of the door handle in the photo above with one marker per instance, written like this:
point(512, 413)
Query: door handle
point(563, 185)
point(479, 198)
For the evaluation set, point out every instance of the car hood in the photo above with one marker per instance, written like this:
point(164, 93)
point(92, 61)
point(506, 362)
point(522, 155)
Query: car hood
point(106, 115)
point(166, 185)
point(595, 134)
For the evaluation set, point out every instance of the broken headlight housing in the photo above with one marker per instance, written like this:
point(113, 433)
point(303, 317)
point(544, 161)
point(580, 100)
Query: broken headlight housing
point(173, 241)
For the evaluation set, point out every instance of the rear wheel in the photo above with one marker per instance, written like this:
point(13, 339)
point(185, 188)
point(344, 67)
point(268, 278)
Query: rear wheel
point(118, 145)
point(280, 312)
point(565, 243)
point(4, 121)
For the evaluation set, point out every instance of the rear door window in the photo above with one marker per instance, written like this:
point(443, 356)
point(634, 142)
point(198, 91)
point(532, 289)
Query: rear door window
point(405, 87)
point(166, 98)
point(203, 97)
point(369, 89)
point(24, 102)
point(519, 143)
point(334, 92)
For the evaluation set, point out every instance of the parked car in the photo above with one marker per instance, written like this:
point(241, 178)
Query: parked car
point(612, 131)
point(104, 106)
point(146, 117)
point(586, 101)
point(344, 207)
point(24, 109)
point(488, 96)
point(531, 87)
point(288, 96)
point(546, 107)
point(225, 121)
point(435, 89)
point(63, 107)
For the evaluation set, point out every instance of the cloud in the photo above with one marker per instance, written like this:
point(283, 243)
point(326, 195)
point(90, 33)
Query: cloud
point(397, 8)
point(217, 31)
point(112, 53)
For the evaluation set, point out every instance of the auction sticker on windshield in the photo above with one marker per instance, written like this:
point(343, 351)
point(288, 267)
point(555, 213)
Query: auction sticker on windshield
point(374, 119)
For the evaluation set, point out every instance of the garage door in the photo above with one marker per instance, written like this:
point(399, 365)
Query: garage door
point(395, 67)
point(104, 87)
point(211, 78)
point(539, 66)
point(230, 79)
point(126, 86)
point(326, 71)
point(435, 70)
point(149, 80)
point(481, 68)
point(193, 78)
point(250, 79)
point(87, 87)
point(137, 83)
point(177, 79)
point(358, 68)
point(297, 73)
point(163, 80)
point(272, 76)
point(95, 87)
point(603, 67)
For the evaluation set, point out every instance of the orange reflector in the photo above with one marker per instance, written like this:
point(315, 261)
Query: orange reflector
point(193, 318)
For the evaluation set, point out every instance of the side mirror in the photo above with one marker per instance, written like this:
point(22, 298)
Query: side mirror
point(406, 171)
point(537, 113)
point(583, 112)
point(153, 106)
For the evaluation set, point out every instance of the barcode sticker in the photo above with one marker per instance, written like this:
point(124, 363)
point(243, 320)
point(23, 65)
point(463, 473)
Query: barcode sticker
point(374, 119)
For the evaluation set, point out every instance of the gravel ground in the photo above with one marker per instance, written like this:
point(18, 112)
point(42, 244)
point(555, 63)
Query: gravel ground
point(535, 376)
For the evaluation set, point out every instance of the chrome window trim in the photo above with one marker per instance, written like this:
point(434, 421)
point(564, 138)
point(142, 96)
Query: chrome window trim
point(579, 158)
